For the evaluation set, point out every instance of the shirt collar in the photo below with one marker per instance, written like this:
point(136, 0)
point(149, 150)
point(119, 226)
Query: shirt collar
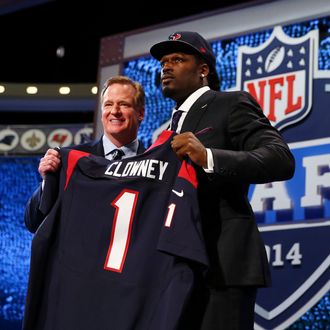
point(129, 149)
point(192, 98)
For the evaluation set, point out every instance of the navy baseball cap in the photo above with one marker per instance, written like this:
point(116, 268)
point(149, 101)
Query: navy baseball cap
point(186, 42)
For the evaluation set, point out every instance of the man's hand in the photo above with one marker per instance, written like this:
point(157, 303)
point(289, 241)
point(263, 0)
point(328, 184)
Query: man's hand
point(49, 163)
point(187, 144)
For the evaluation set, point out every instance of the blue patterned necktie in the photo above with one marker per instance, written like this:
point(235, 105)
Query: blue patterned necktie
point(116, 154)
point(175, 120)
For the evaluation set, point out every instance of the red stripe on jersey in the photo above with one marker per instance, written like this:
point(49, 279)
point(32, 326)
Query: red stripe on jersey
point(162, 138)
point(188, 172)
point(73, 157)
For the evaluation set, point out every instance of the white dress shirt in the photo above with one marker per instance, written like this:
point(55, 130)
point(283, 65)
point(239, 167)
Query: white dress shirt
point(129, 150)
point(185, 107)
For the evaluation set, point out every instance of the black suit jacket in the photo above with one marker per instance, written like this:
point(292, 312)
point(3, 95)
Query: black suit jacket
point(246, 149)
point(35, 212)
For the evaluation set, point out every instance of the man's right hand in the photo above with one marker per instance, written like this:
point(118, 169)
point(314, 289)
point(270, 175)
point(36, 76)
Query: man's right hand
point(49, 163)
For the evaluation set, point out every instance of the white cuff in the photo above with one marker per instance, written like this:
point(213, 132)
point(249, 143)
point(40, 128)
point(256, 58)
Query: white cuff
point(210, 162)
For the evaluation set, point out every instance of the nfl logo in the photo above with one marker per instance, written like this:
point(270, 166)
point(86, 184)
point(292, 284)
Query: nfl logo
point(278, 74)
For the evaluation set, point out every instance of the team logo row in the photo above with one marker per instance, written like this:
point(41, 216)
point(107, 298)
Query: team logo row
point(35, 139)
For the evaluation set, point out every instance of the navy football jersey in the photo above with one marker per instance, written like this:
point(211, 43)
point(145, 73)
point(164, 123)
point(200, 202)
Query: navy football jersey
point(116, 249)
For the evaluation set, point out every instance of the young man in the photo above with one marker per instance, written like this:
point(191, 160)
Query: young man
point(238, 147)
point(123, 102)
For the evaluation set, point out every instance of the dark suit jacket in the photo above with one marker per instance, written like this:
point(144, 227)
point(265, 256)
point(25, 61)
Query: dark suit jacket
point(35, 212)
point(246, 149)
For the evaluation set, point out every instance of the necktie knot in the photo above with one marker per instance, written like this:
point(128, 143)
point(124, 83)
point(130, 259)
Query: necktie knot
point(116, 154)
point(175, 120)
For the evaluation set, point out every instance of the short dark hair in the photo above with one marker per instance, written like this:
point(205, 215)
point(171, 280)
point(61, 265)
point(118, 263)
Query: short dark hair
point(213, 78)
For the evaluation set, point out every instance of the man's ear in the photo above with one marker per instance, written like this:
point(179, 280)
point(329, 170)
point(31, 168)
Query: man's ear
point(141, 114)
point(204, 70)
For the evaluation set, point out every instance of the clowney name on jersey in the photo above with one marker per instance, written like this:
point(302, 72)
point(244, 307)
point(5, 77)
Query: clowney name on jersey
point(148, 168)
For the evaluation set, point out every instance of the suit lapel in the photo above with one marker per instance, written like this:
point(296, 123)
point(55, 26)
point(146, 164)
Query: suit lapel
point(97, 148)
point(141, 148)
point(197, 111)
point(94, 147)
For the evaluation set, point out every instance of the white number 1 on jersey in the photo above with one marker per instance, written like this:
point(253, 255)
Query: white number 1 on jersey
point(121, 230)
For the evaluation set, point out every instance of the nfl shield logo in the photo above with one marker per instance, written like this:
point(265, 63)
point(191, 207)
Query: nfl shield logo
point(278, 74)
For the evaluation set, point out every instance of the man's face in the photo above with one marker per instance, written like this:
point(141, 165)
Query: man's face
point(180, 75)
point(120, 117)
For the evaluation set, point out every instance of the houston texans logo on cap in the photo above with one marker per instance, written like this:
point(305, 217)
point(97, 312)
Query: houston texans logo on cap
point(174, 36)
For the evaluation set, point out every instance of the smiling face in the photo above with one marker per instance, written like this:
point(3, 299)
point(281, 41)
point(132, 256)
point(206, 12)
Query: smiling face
point(181, 75)
point(120, 115)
